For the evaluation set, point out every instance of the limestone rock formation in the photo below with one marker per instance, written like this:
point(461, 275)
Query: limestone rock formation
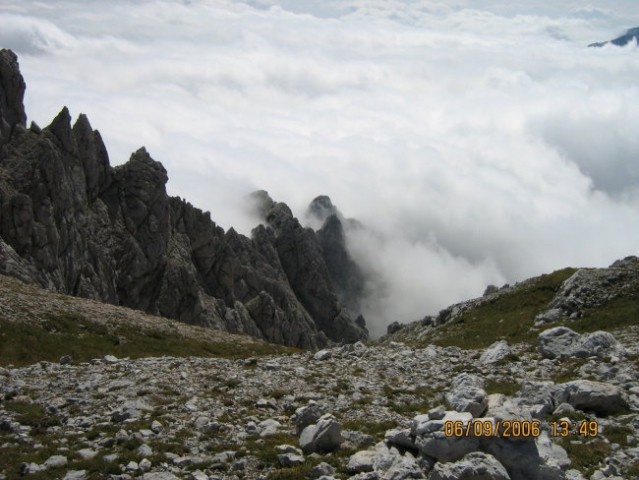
point(564, 342)
point(12, 89)
point(72, 223)
point(346, 276)
point(302, 258)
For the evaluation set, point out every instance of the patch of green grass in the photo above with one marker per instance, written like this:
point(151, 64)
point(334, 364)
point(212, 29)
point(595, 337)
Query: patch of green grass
point(364, 400)
point(232, 383)
point(68, 333)
point(568, 370)
point(32, 415)
point(374, 429)
point(13, 455)
point(342, 386)
point(97, 467)
point(409, 409)
point(618, 434)
point(407, 403)
point(587, 456)
point(632, 470)
point(278, 393)
point(510, 316)
point(295, 473)
point(264, 448)
point(503, 387)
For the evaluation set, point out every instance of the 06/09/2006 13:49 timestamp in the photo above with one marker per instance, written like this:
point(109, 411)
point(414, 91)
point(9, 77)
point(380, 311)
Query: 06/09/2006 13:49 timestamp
point(519, 428)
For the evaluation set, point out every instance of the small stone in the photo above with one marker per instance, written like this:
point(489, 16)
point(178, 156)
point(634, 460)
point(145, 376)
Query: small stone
point(87, 453)
point(323, 469)
point(322, 355)
point(110, 359)
point(290, 459)
point(145, 465)
point(145, 450)
point(75, 475)
point(56, 461)
point(66, 360)
point(157, 427)
point(199, 475)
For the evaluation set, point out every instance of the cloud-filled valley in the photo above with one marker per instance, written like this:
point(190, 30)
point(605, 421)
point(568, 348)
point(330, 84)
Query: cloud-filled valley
point(480, 142)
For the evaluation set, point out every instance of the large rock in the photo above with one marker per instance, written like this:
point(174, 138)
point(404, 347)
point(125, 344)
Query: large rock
point(307, 415)
point(386, 462)
point(466, 394)
point(72, 223)
point(431, 439)
point(497, 352)
point(522, 459)
point(562, 342)
point(323, 437)
point(598, 397)
point(474, 466)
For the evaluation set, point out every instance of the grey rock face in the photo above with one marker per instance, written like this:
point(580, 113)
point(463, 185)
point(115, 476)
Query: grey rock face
point(564, 342)
point(497, 352)
point(345, 274)
point(468, 395)
point(72, 223)
point(12, 89)
point(593, 287)
point(602, 398)
point(300, 256)
point(474, 466)
point(325, 436)
point(431, 439)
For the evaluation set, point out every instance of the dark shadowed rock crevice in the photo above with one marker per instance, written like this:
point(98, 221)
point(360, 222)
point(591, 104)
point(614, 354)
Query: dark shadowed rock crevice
point(72, 223)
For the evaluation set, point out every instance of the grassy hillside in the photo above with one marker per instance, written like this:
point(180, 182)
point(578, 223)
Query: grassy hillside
point(36, 325)
point(511, 315)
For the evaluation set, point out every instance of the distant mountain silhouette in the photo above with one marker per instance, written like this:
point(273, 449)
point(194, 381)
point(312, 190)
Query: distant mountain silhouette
point(631, 35)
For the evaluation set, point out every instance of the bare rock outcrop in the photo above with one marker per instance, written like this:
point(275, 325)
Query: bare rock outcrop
point(72, 223)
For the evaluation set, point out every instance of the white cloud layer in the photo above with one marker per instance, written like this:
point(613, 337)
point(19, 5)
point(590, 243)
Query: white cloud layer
point(481, 138)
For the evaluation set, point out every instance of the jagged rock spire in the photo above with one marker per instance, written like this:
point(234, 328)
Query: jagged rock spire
point(12, 89)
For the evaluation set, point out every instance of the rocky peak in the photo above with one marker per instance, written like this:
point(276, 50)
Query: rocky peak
point(302, 260)
point(260, 203)
point(141, 164)
point(94, 156)
point(12, 89)
point(61, 129)
point(321, 208)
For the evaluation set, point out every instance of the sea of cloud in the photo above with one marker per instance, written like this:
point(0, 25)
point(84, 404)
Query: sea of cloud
point(479, 141)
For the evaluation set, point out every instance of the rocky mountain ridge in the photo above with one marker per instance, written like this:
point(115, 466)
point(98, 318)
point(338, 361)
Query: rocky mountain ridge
point(72, 223)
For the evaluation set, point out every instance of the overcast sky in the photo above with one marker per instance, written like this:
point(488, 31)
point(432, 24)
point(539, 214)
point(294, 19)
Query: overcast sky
point(482, 141)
